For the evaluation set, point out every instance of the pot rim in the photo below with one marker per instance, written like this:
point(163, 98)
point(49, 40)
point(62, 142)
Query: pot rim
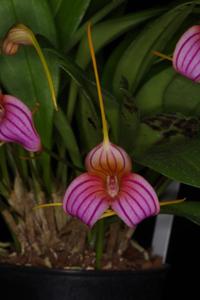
point(73, 272)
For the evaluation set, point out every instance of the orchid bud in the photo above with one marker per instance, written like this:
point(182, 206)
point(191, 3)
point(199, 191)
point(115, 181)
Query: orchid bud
point(16, 36)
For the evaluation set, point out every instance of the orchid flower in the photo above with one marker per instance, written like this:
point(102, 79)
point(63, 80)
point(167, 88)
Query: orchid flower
point(108, 182)
point(186, 56)
point(16, 124)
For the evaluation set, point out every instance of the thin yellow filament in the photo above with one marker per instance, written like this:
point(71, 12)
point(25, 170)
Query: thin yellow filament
point(101, 103)
point(171, 202)
point(161, 55)
point(43, 62)
point(108, 213)
point(48, 205)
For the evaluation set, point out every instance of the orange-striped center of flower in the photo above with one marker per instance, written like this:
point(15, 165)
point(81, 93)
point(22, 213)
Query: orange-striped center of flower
point(112, 185)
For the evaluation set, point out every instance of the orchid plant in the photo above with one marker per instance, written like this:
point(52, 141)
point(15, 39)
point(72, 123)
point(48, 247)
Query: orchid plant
point(137, 113)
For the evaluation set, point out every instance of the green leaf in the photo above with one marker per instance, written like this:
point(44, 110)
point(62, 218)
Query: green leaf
point(89, 90)
point(22, 75)
point(149, 98)
point(129, 122)
point(169, 92)
point(182, 95)
point(95, 18)
point(102, 34)
point(68, 15)
point(110, 65)
point(145, 138)
point(138, 58)
point(88, 123)
point(68, 138)
point(96, 5)
point(34, 13)
point(187, 209)
point(105, 32)
point(178, 160)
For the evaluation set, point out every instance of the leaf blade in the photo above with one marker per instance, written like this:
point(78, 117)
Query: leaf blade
point(187, 209)
point(177, 160)
point(66, 26)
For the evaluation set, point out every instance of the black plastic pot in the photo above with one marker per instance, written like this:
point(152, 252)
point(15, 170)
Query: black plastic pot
point(46, 284)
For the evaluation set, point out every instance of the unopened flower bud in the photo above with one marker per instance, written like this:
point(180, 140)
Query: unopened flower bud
point(16, 36)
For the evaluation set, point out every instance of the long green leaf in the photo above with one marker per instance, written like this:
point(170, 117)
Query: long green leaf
point(88, 88)
point(187, 209)
point(179, 160)
point(98, 16)
point(150, 97)
point(182, 95)
point(105, 32)
point(102, 34)
point(138, 58)
point(68, 138)
point(68, 15)
point(110, 65)
point(88, 122)
point(169, 92)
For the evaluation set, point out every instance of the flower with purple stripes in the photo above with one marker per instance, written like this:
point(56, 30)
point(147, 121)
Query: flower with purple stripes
point(186, 57)
point(109, 183)
point(16, 124)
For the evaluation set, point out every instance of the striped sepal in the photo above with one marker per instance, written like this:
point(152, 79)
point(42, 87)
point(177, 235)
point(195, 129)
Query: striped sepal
point(186, 57)
point(16, 124)
point(136, 201)
point(108, 160)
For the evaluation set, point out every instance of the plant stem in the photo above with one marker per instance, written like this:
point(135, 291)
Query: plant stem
point(99, 243)
point(35, 178)
point(73, 93)
point(15, 162)
point(4, 167)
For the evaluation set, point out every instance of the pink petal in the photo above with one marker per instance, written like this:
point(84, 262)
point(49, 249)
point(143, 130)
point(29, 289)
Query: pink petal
point(136, 201)
point(108, 160)
point(86, 198)
point(16, 124)
point(186, 57)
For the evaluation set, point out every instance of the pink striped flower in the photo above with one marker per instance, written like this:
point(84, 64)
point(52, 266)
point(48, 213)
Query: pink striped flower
point(186, 57)
point(16, 124)
point(109, 183)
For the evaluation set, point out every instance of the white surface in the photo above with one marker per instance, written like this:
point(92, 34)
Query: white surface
point(163, 225)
